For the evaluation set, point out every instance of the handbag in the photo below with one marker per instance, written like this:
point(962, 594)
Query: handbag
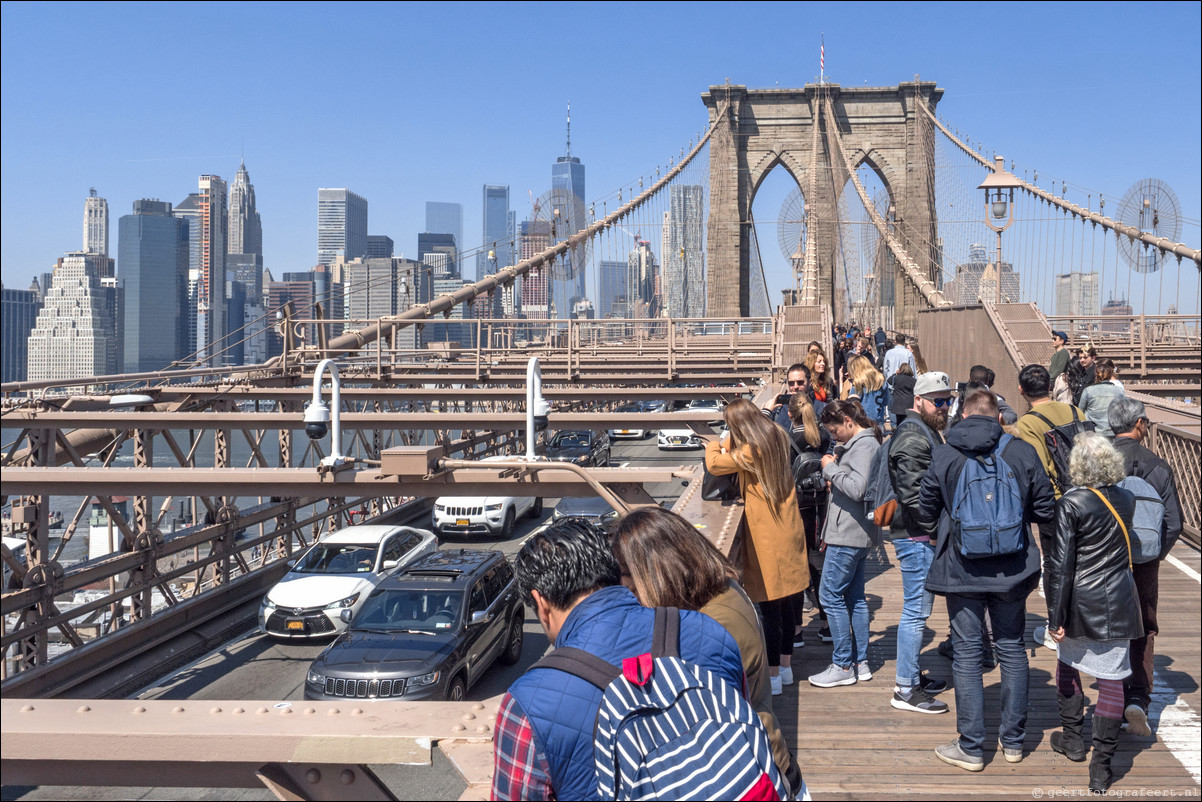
point(719, 488)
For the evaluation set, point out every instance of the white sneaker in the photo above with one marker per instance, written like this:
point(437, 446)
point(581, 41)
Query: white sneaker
point(863, 673)
point(1041, 636)
point(786, 675)
point(777, 690)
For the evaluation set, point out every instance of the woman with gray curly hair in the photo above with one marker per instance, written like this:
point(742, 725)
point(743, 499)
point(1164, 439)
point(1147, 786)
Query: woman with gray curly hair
point(1093, 608)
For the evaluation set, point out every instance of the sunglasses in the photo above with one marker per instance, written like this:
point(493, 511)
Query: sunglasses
point(940, 403)
point(801, 383)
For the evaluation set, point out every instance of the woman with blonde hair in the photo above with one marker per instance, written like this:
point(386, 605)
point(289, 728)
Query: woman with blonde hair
point(1093, 605)
point(668, 563)
point(774, 551)
point(865, 382)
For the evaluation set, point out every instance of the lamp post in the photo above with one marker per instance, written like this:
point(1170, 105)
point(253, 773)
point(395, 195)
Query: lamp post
point(999, 207)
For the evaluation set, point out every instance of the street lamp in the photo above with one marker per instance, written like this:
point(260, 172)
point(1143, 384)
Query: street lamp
point(999, 206)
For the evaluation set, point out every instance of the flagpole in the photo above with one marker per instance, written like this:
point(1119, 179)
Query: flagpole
point(822, 60)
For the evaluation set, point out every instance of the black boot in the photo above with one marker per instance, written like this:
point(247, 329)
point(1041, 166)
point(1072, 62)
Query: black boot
point(1105, 742)
point(1068, 741)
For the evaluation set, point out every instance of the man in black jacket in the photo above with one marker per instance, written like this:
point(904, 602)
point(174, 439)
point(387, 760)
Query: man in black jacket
point(999, 585)
point(909, 457)
point(1129, 422)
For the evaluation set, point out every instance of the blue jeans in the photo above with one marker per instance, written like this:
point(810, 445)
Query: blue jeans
point(914, 557)
point(842, 595)
point(1007, 612)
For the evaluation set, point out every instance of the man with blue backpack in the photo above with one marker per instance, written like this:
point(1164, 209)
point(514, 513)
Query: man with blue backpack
point(985, 488)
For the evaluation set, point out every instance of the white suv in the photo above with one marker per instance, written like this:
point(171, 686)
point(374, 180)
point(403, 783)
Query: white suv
point(495, 516)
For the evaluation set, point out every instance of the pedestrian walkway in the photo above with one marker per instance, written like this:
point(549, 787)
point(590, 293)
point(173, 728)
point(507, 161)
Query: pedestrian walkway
point(852, 744)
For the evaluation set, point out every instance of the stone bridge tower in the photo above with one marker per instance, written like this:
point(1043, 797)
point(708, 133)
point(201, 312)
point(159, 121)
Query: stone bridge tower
point(757, 129)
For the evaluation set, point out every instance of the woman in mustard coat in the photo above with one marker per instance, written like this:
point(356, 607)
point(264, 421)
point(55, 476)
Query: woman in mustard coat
point(775, 565)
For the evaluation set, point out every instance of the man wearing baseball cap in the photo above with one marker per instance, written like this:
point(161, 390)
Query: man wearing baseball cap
point(1060, 355)
point(910, 450)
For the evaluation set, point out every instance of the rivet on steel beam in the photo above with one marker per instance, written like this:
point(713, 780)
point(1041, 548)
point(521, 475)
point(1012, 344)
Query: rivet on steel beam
point(83, 709)
point(333, 711)
point(347, 777)
point(313, 776)
point(358, 711)
point(139, 709)
point(310, 711)
point(262, 710)
point(238, 710)
point(478, 706)
point(458, 728)
point(27, 709)
point(483, 728)
point(287, 711)
point(469, 716)
point(177, 709)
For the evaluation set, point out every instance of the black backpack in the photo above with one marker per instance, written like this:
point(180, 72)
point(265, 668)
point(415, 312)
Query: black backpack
point(807, 477)
point(1059, 440)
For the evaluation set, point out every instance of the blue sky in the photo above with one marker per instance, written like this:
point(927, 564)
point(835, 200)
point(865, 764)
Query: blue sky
point(407, 103)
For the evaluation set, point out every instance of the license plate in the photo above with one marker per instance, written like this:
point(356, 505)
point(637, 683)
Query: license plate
point(462, 522)
point(294, 623)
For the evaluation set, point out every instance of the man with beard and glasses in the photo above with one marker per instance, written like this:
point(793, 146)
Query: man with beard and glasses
point(909, 457)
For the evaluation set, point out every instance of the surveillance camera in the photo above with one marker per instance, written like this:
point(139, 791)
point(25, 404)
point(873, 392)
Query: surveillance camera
point(317, 418)
point(541, 410)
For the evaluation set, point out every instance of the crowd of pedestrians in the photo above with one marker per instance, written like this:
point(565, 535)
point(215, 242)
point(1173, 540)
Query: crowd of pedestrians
point(978, 504)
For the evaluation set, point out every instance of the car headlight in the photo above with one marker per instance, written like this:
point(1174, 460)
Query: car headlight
point(493, 507)
point(612, 515)
point(315, 678)
point(556, 514)
point(422, 681)
point(347, 602)
point(583, 458)
point(440, 508)
point(268, 604)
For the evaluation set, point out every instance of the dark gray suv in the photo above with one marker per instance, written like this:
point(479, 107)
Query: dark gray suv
point(429, 632)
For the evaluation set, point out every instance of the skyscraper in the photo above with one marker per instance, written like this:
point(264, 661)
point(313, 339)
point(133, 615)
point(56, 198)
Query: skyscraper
point(245, 228)
point(567, 174)
point(211, 312)
point(20, 313)
point(495, 234)
point(95, 224)
point(535, 292)
point(1078, 293)
point(684, 261)
point(341, 225)
point(379, 246)
point(642, 276)
point(431, 243)
point(612, 290)
point(75, 334)
point(445, 218)
point(152, 248)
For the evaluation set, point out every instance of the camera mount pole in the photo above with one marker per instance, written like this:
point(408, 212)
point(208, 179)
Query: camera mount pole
point(537, 407)
point(336, 457)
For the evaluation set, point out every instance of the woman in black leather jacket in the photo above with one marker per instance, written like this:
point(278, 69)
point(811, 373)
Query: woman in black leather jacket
point(1093, 608)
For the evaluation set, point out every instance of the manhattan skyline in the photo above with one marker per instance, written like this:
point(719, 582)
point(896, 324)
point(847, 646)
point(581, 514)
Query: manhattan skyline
point(1026, 100)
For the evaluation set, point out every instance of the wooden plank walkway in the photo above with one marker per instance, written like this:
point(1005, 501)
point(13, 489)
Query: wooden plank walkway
point(852, 744)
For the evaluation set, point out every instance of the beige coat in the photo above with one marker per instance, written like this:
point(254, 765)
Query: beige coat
point(774, 548)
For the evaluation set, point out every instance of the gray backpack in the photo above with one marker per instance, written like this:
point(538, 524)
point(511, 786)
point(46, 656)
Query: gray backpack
point(1147, 523)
